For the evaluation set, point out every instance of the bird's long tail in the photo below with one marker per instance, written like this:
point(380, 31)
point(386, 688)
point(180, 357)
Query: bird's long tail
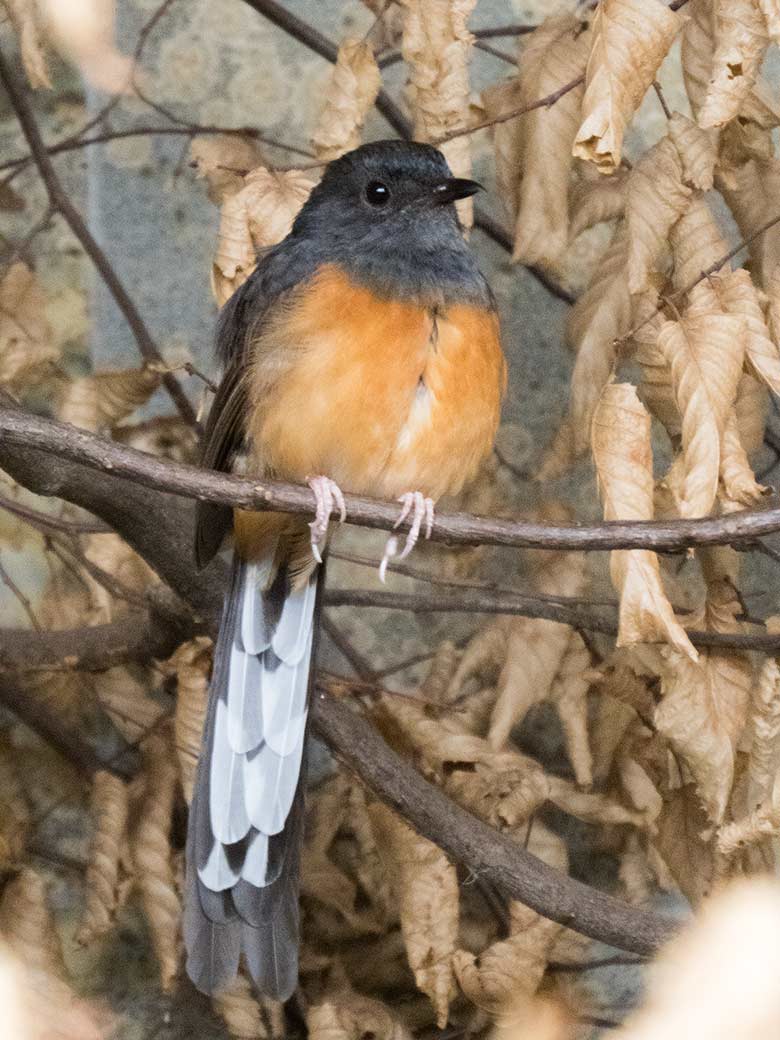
point(246, 817)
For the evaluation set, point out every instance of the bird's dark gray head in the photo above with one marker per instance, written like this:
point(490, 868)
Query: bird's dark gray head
point(386, 213)
point(377, 184)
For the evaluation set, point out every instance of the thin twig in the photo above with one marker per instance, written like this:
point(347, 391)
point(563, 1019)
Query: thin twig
point(353, 656)
point(528, 606)
point(409, 571)
point(186, 130)
point(513, 113)
point(44, 521)
point(60, 202)
point(393, 57)
point(23, 601)
point(661, 99)
point(712, 269)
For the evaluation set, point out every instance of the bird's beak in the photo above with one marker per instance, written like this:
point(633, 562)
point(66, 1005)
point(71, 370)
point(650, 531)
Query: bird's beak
point(455, 188)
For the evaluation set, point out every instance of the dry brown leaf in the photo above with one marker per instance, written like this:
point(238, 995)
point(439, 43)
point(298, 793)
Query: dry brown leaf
point(542, 1018)
point(751, 407)
point(191, 664)
point(683, 839)
point(624, 462)
point(436, 686)
point(703, 714)
point(109, 811)
point(630, 40)
point(427, 887)
point(83, 31)
point(594, 201)
point(533, 652)
point(436, 46)
point(705, 351)
point(741, 41)
point(370, 868)
point(551, 56)
point(709, 982)
point(502, 787)
point(753, 196)
point(124, 567)
point(598, 318)
point(493, 979)
point(696, 150)
point(27, 21)
point(354, 83)
point(763, 822)
point(737, 295)
point(696, 244)
point(152, 854)
point(224, 160)
point(102, 400)
point(697, 52)
point(26, 343)
point(655, 199)
point(246, 1016)
point(126, 701)
point(771, 12)
point(765, 726)
point(346, 1015)
point(655, 389)
point(259, 215)
point(739, 481)
point(501, 97)
point(27, 925)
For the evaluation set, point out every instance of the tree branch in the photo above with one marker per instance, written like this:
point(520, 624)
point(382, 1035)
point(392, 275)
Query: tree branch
point(141, 636)
point(564, 611)
point(490, 855)
point(60, 202)
point(23, 435)
point(66, 739)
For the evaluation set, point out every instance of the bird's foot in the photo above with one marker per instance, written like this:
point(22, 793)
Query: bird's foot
point(421, 509)
point(327, 492)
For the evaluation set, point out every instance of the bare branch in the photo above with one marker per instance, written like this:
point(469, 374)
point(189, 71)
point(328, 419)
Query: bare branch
point(60, 202)
point(21, 430)
point(141, 636)
point(487, 853)
point(565, 611)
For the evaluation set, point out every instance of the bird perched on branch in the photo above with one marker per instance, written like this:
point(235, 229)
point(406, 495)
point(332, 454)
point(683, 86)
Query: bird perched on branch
point(362, 354)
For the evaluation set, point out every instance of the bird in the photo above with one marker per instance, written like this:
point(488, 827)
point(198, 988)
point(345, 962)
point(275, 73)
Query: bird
point(362, 355)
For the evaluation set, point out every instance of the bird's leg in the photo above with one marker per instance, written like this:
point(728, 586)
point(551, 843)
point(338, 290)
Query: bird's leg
point(421, 509)
point(327, 492)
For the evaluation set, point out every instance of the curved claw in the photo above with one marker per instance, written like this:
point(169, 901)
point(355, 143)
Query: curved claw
point(326, 492)
point(422, 511)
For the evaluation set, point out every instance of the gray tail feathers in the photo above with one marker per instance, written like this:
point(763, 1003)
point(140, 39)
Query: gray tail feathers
point(246, 818)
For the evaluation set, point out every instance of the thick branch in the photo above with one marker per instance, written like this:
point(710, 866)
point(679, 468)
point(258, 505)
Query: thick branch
point(60, 202)
point(21, 433)
point(489, 854)
point(67, 740)
point(138, 637)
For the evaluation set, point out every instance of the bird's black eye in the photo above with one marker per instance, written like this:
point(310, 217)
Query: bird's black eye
point(377, 193)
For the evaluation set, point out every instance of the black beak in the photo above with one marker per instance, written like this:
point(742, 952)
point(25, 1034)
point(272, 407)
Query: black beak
point(455, 188)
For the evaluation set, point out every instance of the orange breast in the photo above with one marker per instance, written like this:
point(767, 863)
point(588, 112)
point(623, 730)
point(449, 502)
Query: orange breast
point(382, 396)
